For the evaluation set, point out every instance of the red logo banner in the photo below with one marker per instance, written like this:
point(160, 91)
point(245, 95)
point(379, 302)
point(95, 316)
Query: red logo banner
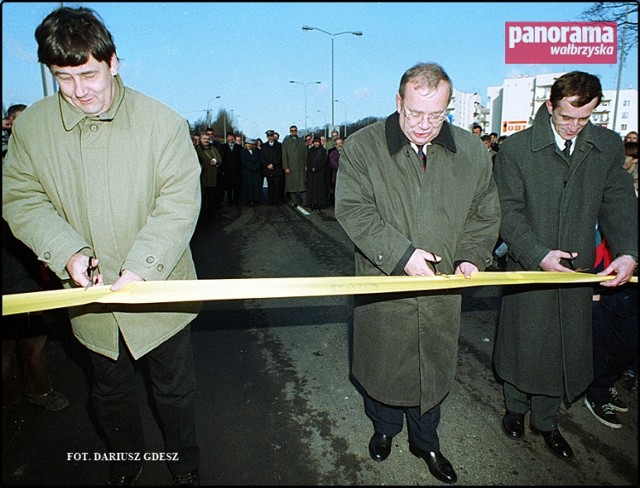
point(561, 43)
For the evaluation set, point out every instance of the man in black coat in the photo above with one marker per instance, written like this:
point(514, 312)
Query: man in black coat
point(272, 169)
point(232, 169)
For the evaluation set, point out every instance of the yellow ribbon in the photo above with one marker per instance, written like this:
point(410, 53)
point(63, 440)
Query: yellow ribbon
point(252, 288)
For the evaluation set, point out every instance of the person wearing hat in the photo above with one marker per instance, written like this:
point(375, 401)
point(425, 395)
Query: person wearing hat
point(272, 169)
point(251, 173)
point(317, 175)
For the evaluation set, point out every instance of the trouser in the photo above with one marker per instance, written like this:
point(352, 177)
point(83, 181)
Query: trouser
point(388, 420)
point(615, 340)
point(115, 399)
point(543, 408)
point(275, 190)
point(24, 356)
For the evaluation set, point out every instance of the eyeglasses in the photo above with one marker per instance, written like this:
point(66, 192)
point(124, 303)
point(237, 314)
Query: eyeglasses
point(415, 118)
point(293, 130)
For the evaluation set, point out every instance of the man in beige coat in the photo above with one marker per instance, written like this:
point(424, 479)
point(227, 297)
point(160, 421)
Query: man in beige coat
point(99, 204)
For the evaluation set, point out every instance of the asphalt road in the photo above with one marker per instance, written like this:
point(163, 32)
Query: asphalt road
point(276, 404)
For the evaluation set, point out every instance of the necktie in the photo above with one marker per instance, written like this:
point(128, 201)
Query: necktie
point(567, 149)
point(422, 157)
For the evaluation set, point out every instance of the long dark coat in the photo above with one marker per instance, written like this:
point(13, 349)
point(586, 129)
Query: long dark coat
point(251, 176)
point(405, 345)
point(543, 343)
point(318, 175)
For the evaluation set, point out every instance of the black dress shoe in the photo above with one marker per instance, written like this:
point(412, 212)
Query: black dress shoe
point(513, 424)
point(557, 444)
point(127, 480)
point(439, 466)
point(380, 446)
point(192, 478)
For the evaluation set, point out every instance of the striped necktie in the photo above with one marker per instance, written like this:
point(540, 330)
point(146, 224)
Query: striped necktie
point(422, 156)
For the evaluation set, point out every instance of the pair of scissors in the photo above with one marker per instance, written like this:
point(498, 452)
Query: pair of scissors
point(90, 273)
point(573, 267)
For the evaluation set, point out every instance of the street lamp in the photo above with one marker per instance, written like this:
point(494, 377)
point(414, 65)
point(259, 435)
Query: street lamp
point(325, 122)
point(305, 98)
point(333, 35)
point(209, 109)
point(345, 117)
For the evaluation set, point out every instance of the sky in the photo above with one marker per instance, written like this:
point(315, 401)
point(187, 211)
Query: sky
point(246, 53)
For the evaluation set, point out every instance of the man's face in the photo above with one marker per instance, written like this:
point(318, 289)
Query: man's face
point(89, 87)
point(334, 135)
point(231, 139)
point(204, 139)
point(421, 111)
point(293, 132)
point(569, 120)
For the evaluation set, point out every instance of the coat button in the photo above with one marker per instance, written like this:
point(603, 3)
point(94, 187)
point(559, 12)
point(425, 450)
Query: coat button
point(160, 267)
point(379, 257)
point(47, 255)
point(94, 128)
point(150, 259)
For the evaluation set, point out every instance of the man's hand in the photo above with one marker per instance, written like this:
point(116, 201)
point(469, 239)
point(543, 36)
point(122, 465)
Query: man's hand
point(623, 267)
point(551, 261)
point(80, 269)
point(417, 264)
point(126, 277)
point(466, 268)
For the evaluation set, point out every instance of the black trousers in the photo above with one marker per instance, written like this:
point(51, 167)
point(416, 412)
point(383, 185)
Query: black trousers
point(115, 399)
point(615, 339)
point(388, 420)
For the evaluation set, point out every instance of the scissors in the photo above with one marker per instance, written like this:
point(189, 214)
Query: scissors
point(573, 267)
point(90, 273)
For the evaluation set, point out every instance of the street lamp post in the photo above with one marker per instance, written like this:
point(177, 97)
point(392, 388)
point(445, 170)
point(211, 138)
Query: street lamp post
point(305, 98)
point(209, 109)
point(325, 122)
point(333, 35)
point(345, 117)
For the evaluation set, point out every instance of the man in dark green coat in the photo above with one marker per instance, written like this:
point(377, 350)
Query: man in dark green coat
point(551, 198)
point(414, 193)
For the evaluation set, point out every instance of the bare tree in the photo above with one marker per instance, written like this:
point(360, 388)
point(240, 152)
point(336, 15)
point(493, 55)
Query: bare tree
point(625, 14)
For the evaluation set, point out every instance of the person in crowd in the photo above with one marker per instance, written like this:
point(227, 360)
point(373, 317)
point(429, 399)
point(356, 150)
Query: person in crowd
point(615, 341)
point(416, 196)
point(272, 169)
point(7, 122)
point(631, 162)
point(317, 176)
point(334, 163)
point(276, 137)
point(103, 184)
point(195, 140)
point(231, 153)
point(493, 138)
point(556, 179)
point(476, 130)
point(209, 159)
point(631, 136)
point(487, 142)
point(213, 139)
point(308, 139)
point(24, 336)
point(331, 143)
point(251, 193)
point(294, 158)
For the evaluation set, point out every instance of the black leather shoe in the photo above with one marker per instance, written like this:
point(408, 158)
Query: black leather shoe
point(128, 480)
point(439, 466)
point(513, 424)
point(557, 444)
point(192, 478)
point(380, 446)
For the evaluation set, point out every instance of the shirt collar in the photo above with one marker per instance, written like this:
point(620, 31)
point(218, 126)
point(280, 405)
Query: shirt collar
point(396, 138)
point(560, 142)
point(72, 116)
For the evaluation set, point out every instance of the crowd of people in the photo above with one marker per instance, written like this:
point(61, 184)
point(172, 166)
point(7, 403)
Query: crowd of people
point(416, 195)
point(243, 171)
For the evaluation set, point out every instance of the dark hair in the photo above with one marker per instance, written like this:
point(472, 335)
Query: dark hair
point(576, 83)
point(14, 109)
point(68, 36)
point(631, 149)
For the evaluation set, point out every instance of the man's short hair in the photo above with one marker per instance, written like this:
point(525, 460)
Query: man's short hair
point(576, 83)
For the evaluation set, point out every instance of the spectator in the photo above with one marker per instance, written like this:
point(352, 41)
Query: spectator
point(334, 163)
point(331, 143)
point(556, 179)
point(251, 192)
point(405, 211)
point(476, 130)
point(209, 159)
point(317, 176)
point(272, 169)
point(7, 122)
point(136, 217)
point(631, 136)
point(231, 153)
point(294, 158)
